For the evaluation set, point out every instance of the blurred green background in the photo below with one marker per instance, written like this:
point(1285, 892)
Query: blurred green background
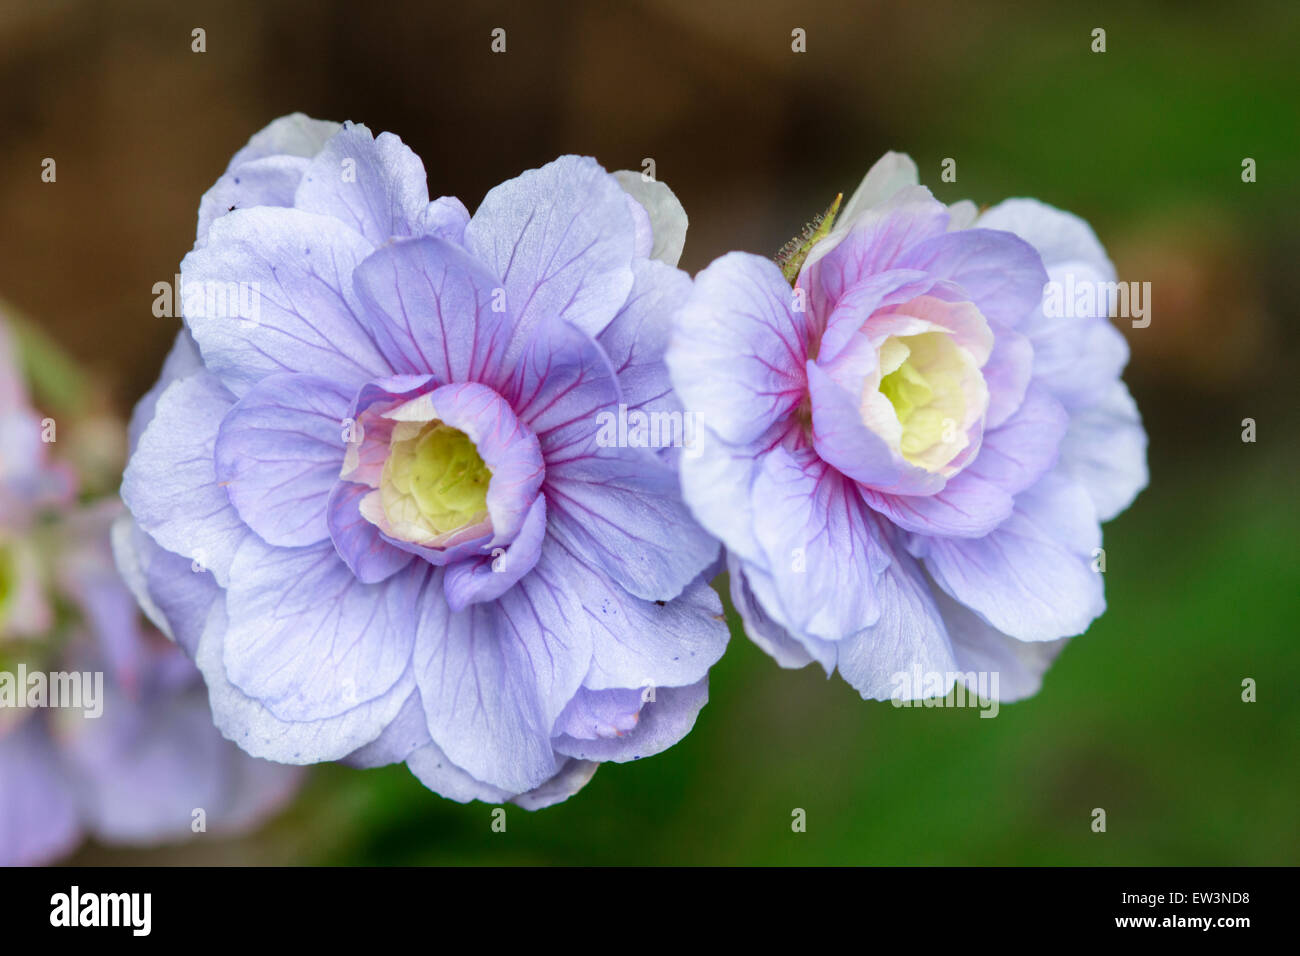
point(1141, 716)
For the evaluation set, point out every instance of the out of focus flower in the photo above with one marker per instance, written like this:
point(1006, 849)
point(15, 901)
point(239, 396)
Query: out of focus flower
point(385, 465)
point(909, 453)
point(133, 758)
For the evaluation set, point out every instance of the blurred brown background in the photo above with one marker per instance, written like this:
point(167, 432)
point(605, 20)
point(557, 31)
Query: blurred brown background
point(1145, 141)
point(752, 136)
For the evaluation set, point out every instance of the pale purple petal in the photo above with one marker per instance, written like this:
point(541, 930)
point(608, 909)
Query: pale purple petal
point(272, 292)
point(170, 484)
point(774, 639)
point(890, 173)
point(261, 733)
point(572, 776)
point(875, 242)
point(738, 348)
point(968, 506)
point(644, 241)
point(361, 545)
point(182, 361)
point(408, 732)
point(596, 714)
point(1077, 358)
point(1031, 578)
point(145, 766)
point(561, 239)
point(38, 810)
point(980, 497)
point(821, 546)
point(1105, 450)
point(474, 580)
point(1025, 447)
point(777, 625)
point(561, 385)
point(445, 218)
point(435, 770)
point(624, 513)
point(843, 339)
point(1077, 355)
point(636, 339)
point(293, 135)
point(1007, 374)
point(634, 643)
point(173, 594)
point(494, 678)
point(1001, 273)
point(269, 181)
point(845, 442)
point(1064, 241)
point(962, 214)
point(267, 170)
point(434, 309)
point(980, 648)
point(659, 724)
point(310, 641)
point(909, 634)
point(717, 482)
point(374, 184)
point(278, 455)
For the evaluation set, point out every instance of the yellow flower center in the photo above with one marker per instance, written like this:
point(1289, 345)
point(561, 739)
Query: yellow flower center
point(922, 378)
point(439, 472)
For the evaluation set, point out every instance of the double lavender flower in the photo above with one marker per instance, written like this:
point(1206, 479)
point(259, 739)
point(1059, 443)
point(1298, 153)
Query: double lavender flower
point(907, 459)
point(377, 512)
point(374, 493)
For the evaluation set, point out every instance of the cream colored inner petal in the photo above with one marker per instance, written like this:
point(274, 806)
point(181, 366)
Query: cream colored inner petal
point(935, 389)
point(434, 481)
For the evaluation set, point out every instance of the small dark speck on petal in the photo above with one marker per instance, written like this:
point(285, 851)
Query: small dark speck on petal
point(231, 209)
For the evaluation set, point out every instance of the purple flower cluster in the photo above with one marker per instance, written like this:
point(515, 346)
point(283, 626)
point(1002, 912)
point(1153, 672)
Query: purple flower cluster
point(136, 759)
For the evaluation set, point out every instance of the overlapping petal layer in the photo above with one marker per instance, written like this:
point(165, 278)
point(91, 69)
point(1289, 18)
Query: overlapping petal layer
point(906, 456)
point(420, 548)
